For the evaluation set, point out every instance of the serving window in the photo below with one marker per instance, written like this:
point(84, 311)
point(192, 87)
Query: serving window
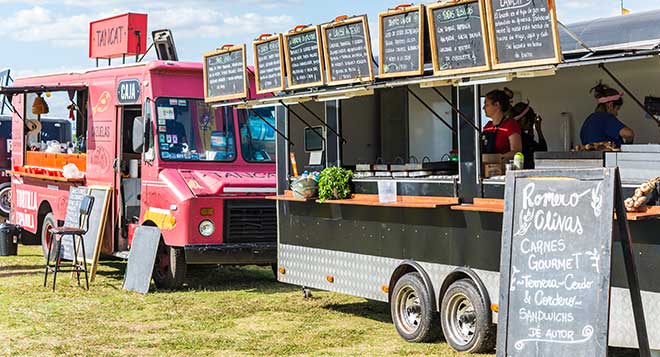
point(403, 132)
point(55, 130)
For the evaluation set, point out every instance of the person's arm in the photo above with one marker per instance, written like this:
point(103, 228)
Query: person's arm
point(542, 145)
point(615, 128)
point(515, 143)
point(627, 134)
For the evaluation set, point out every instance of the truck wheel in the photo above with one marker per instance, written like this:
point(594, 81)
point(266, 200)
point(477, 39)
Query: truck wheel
point(169, 267)
point(465, 319)
point(5, 199)
point(413, 314)
point(46, 225)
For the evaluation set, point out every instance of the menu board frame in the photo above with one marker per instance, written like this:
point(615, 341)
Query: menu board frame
point(606, 181)
point(257, 80)
point(222, 50)
point(381, 44)
point(326, 56)
point(538, 62)
point(287, 57)
point(485, 30)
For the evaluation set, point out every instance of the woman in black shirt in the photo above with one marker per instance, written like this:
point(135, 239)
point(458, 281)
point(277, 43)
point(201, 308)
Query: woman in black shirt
point(528, 120)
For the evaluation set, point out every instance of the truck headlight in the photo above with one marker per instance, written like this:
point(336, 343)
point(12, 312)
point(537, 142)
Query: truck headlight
point(206, 228)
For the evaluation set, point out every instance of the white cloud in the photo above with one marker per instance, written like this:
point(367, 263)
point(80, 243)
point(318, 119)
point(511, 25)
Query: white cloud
point(41, 24)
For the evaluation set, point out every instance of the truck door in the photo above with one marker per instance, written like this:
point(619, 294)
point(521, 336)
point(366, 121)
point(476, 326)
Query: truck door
point(127, 177)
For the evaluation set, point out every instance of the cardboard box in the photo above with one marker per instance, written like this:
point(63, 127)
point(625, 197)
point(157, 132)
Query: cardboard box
point(491, 165)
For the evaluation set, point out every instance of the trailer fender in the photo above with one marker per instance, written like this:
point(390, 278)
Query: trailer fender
point(466, 273)
point(409, 266)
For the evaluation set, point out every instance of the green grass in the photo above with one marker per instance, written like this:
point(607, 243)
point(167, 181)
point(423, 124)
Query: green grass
point(222, 311)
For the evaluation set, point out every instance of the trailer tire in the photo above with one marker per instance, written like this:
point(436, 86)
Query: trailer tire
point(465, 319)
point(5, 199)
point(170, 267)
point(412, 310)
point(47, 224)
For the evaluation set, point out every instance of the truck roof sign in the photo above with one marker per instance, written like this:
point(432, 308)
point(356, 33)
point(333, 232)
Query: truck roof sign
point(117, 36)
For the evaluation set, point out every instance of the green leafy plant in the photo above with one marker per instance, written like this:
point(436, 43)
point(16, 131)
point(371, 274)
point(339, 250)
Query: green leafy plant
point(334, 183)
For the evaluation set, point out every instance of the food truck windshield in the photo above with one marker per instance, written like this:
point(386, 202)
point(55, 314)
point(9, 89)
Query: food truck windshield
point(191, 130)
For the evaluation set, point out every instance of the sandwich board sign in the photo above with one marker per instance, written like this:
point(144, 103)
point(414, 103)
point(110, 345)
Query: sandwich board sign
point(556, 263)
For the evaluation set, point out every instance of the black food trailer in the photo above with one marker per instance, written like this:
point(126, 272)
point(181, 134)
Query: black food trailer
point(434, 254)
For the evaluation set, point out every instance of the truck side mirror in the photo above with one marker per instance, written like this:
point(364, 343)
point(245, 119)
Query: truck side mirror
point(138, 134)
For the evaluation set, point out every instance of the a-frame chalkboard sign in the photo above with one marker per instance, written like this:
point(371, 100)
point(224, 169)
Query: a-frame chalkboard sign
point(556, 263)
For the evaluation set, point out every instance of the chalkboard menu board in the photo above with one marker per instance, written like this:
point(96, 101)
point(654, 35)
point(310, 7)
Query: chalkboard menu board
point(224, 74)
point(401, 49)
point(555, 263)
point(141, 259)
point(268, 64)
point(458, 37)
point(303, 56)
point(523, 33)
point(347, 50)
point(76, 195)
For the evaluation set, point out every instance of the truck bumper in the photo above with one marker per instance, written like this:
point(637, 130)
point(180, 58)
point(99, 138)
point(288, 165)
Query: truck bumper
point(232, 253)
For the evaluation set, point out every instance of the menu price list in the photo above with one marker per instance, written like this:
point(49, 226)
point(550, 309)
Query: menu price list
point(459, 36)
point(523, 30)
point(347, 52)
point(225, 74)
point(269, 65)
point(559, 264)
point(401, 42)
point(304, 58)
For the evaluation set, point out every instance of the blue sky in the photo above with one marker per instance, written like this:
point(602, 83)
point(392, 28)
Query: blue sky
point(41, 36)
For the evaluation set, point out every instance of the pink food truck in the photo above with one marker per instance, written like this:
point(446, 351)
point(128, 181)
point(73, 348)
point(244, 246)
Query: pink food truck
point(168, 159)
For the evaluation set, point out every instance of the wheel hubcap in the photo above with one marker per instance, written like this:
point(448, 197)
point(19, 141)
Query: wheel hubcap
point(462, 319)
point(409, 309)
point(5, 200)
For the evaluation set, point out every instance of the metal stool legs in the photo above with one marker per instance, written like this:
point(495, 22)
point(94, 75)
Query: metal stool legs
point(77, 267)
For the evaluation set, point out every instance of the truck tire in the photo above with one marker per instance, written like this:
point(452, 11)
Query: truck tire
point(465, 319)
point(46, 225)
point(170, 267)
point(5, 199)
point(413, 313)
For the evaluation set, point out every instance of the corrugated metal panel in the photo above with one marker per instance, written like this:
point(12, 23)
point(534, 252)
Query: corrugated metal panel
point(629, 32)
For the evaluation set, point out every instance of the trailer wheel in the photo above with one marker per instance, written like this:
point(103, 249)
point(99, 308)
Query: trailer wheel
point(5, 199)
point(465, 319)
point(413, 314)
point(47, 224)
point(169, 267)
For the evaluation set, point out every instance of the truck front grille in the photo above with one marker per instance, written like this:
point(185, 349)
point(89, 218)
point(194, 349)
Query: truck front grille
point(250, 221)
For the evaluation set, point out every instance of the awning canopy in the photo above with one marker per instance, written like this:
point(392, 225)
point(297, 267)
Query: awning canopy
point(637, 31)
point(12, 90)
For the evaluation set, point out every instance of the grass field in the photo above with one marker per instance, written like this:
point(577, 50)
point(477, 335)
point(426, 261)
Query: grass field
point(222, 311)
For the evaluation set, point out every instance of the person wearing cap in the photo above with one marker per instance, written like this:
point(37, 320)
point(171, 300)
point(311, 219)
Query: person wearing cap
point(603, 125)
point(528, 120)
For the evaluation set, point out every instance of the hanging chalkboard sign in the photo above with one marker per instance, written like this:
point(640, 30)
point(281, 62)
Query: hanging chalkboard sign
point(268, 64)
point(556, 260)
point(347, 50)
point(458, 37)
point(304, 58)
point(523, 33)
point(224, 74)
point(401, 47)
